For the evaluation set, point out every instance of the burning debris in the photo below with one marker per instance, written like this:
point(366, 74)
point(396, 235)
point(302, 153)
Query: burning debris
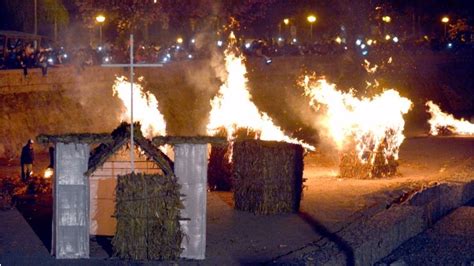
point(367, 132)
point(145, 107)
point(233, 108)
point(235, 116)
point(445, 124)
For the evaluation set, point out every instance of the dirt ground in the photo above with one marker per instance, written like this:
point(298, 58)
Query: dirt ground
point(329, 203)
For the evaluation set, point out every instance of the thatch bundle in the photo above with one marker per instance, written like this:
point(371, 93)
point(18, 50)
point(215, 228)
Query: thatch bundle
point(147, 212)
point(268, 176)
point(352, 167)
point(219, 169)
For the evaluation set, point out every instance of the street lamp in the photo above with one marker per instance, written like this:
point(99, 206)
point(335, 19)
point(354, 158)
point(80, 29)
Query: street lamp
point(100, 19)
point(286, 21)
point(445, 21)
point(386, 19)
point(311, 19)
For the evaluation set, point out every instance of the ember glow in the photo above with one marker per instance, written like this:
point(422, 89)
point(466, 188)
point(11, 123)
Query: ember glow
point(48, 173)
point(233, 109)
point(441, 121)
point(145, 107)
point(370, 124)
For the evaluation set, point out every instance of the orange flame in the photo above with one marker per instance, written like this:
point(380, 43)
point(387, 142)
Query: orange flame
point(145, 107)
point(368, 122)
point(48, 173)
point(232, 107)
point(440, 120)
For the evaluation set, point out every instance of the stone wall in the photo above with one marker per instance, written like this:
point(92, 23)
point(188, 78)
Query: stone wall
point(71, 101)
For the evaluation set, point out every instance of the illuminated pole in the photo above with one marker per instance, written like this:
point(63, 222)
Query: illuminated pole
point(100, 19)
point(445, 21)
point(311, 19)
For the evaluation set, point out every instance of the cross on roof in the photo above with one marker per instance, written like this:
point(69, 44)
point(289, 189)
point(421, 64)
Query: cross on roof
point(131, 65)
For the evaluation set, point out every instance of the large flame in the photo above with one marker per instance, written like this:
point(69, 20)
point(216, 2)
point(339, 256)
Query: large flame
point(145, 107)
point(232, 107)
point(442, 121)
point(370, 124)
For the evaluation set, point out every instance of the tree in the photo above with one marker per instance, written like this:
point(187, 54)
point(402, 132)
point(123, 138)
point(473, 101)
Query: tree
point(53, 11)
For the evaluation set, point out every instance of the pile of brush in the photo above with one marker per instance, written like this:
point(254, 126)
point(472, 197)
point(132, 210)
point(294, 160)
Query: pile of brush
point(268, 176)
point(148, 213)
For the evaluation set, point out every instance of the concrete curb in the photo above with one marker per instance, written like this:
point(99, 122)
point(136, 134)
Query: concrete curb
point(367, 240)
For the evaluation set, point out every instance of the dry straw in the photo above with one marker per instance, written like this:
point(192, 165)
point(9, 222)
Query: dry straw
point(268, 176)
point(147, 213)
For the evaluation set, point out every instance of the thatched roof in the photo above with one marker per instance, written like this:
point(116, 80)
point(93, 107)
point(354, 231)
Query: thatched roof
point(162, 140)
point(88, 138)
point(121, 136)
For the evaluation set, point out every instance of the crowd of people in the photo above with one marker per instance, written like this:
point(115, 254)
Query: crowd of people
point(26, 56)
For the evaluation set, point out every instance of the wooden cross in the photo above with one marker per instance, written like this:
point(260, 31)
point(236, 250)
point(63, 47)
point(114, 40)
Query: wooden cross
point(131, 65)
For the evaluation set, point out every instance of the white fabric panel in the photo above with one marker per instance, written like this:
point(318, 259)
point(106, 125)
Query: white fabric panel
point(71, 201)
point(190, 167)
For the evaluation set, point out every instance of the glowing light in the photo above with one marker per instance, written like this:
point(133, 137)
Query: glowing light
point(365, 52)
point(100, 18)
point(441, 121)
point(190, 56)
point(145, 107)
point(286, 21)
point(369, 42)
point(395, 39)
point(367, 125)
point(280, 39)
point(387, 37)
point(338, 40)
point(247, 45)
point(311, 18)
point(219, 43)
point(179, 40)
point(450, 45)
point(193, 41)
point(294, 40)
point(358, 42)
point(386, 19)
point(48, 173)
point(445, 20)
point(232, 107)
point(362, 46)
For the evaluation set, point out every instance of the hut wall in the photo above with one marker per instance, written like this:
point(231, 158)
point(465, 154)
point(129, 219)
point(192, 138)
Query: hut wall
point(102, 188)
point(191, 170)
point(70, 206)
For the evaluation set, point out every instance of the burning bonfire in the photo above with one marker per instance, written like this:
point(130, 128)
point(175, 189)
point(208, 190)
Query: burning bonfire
point(367, 132)
point(445, 124)
point(145, 107)
point(233, 110)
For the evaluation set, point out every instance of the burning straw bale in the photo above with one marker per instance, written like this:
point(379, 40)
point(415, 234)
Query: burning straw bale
point(147, 212)
point(351, 165)
point(219, 171)
point(268, 176)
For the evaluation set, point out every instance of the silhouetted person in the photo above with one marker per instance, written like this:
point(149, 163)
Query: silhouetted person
point(26, 160)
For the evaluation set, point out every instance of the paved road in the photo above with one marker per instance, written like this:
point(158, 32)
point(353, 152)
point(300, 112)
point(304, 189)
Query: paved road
point(449, 242)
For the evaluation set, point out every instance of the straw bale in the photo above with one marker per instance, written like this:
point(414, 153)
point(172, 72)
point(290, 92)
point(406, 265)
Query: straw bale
point(268, 176)
point(147, 212)
point(352, 167)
